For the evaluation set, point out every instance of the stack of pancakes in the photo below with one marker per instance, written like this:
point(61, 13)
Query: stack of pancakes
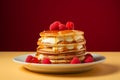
point(61, 46)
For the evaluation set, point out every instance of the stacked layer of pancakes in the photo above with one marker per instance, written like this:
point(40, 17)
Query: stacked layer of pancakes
point(61, 46)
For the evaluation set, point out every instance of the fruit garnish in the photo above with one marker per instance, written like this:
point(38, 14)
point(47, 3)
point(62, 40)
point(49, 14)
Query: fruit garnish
point(75, 60)
point(29, 58)
point(45, 61)
point(55, 25)
point(70, 25)
point(34, 60)
point(88, 58)
point(62, 27)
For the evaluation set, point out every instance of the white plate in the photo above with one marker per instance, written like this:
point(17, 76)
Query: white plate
point(58, 68)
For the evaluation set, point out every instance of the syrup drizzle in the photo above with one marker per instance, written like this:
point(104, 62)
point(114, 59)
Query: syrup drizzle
point(56, 48)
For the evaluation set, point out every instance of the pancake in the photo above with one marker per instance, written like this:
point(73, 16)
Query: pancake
point(61, 33)
point(61, 58)
point(65, 61)
point(60, 46)
point(61, 43)
point(44, 51)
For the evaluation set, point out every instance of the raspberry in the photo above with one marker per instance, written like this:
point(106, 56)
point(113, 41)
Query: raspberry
point(75, 60)
point(70, 25)
point(55, 25)
point(46, 61)
point(62, 27)
point(34, 60)
point(88, 54)
point(88, 58)
point(29, 58)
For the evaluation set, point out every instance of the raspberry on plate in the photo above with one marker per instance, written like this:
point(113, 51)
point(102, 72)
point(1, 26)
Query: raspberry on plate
point(88, 58)
point(75, 60)
point(29, 58)
point(46, 61)
point(34, 60)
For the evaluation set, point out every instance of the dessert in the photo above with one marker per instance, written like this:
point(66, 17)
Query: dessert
point(61, 44)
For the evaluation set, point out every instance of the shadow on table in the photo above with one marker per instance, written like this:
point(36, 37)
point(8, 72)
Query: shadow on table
point(99, 70)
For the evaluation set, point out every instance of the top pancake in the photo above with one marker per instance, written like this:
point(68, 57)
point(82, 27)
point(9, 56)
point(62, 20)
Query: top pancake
point(61, 33)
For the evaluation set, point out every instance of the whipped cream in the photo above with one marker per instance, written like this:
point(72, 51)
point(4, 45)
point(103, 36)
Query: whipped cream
point(69, 38)
point(48, 40)
point(51, 40)
point(70, 46)
point(79, 47)
point(40, 57)
point(78, 37)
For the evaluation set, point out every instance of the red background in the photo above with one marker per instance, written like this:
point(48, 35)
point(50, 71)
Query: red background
point(21, 21)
